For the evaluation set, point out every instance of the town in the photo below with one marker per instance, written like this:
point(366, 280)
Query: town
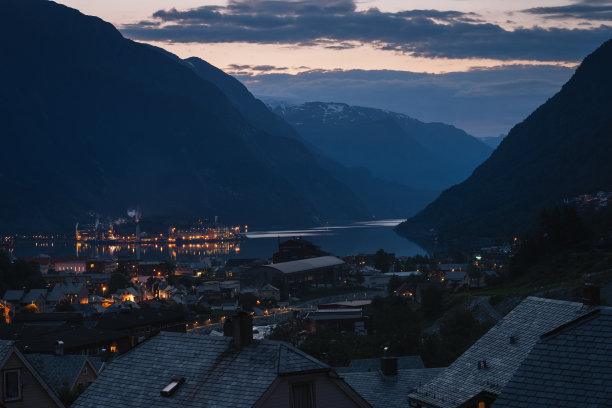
point(73, 309)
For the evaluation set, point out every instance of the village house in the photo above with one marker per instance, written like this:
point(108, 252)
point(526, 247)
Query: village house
point(384, 382)
point(269, 292)
point(480, 374)
point(21, 385)
point(190, 370)
point(569, 366)
point(64, 373)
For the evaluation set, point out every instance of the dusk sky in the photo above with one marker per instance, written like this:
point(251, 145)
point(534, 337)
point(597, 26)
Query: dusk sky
point(456, 55)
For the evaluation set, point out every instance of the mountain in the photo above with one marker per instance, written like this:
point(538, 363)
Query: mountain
point(493, 141)
point(93, 121)
point(393, 146)
point(563, 149)
point(382, 198)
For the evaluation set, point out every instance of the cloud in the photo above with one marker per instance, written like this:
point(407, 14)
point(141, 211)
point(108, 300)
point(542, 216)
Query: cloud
point(258, 68)
point(338, 24)
point(599, 10)
point(484, 102)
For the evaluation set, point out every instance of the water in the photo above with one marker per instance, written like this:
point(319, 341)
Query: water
point(339, 240)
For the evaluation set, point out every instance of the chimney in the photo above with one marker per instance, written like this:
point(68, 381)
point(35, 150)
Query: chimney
point(242, 329)
point(59, 348)
point(590, 295)
point(227, 327)
point(388, 364)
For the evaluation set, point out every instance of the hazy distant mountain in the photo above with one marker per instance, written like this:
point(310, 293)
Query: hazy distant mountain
point(562, 149)
point(493, 141)
point(92, 121)
point(382, 198)
point(392, 146)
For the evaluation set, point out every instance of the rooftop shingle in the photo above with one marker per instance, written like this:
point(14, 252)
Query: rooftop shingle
point(570, 366)
point(489, 364)
point(216, 374)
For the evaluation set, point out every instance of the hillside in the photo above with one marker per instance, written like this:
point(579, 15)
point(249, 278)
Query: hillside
point(561, 150)
point(392, 146)
point(92, 121)
point(382, 198)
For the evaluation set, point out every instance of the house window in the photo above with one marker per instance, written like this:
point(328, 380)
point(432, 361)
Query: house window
point(302, 395)
point(12, 385)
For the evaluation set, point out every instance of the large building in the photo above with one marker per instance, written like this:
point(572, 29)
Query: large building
point(297, 276)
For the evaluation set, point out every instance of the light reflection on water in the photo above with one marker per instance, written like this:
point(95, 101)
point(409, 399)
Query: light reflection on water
point(339, 240)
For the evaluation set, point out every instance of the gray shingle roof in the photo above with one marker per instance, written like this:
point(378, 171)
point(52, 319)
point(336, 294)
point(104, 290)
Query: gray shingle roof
point(216, 374)
point(13, 295)
point(373, 364)
point(5, 347)
point(57, 371)
point(306, 264)
point(33, 294)
point(569, 367)
point(463, 379)
point(389, 391)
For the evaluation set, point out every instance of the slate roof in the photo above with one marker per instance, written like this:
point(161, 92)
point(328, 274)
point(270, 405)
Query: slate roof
point(463, 380)
point(570, 366)
point(13, 295)
point(58, 370)
point(33, 294)
point(5, 347)
point(373, 364)
point(389, 391)
point(216, 374)
point(62, 289)
point(306, 264)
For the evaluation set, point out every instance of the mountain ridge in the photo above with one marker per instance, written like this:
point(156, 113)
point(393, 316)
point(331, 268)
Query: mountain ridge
point(560, 150)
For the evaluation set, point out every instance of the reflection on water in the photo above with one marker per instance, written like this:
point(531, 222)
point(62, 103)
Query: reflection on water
point(339, 240)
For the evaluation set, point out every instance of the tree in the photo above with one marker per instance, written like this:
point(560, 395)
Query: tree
point(117, 281)
point(432, 302)
point(383, 260)
point(19, 274)
point(247, 301)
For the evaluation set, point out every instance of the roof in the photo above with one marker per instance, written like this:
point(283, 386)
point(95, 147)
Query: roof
point(62, 289)
point(33, 295)
point(13, 295)
point(455, 275)
point(216, 374)
point(570, 366)
point(6, 346)
point(372, 364)
point(58, 371)
point(388, 391)
point(270, 287)
point(77, 338)
point(335, 314)
point(306, 264)
point(463, 379)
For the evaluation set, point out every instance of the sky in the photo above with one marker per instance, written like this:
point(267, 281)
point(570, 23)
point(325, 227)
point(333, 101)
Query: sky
point(482, 65)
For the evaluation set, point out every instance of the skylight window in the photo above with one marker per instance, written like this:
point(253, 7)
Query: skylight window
point(172, 387)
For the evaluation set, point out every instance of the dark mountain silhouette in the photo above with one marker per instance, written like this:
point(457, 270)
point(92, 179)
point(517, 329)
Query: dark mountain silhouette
point(93, 121)
point(393, 146)
point(561, 150)
point(383, 198)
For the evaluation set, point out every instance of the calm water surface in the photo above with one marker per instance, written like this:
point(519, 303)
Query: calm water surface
point(340, 240)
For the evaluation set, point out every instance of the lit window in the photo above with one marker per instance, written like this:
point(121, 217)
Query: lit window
point(12, 386)
point(481, 404)
point(113, 348)
point(302, 395)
